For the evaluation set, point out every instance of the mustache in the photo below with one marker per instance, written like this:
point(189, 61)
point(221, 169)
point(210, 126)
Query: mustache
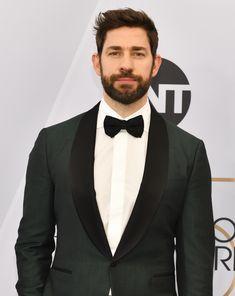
point(125, 74)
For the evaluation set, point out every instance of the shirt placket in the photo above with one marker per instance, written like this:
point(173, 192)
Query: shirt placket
point(117, 194)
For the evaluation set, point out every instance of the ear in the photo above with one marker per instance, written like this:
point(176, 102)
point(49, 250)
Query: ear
point(96, 63)
point(157, 64)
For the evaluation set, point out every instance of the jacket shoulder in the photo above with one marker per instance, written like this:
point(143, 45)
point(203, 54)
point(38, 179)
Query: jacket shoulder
point(64, 128)
point(57, 135)
point(184, 150)
point(182, 144)
point(179, 135)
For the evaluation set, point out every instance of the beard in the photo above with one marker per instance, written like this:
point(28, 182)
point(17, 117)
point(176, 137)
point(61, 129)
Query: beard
point(126, 94)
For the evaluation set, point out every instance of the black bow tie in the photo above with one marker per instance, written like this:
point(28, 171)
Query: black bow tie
point(134, 126)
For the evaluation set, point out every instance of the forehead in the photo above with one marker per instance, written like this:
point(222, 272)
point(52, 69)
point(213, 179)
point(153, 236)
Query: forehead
point(127, 37)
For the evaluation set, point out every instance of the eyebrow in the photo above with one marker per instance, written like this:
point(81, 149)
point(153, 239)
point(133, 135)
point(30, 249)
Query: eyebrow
point(138, 48)
point(134, 48)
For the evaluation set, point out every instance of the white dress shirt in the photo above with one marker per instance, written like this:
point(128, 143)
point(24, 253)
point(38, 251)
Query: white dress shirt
point(118, 171)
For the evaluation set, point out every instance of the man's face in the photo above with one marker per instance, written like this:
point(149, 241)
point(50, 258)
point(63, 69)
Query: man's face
point(126, 65)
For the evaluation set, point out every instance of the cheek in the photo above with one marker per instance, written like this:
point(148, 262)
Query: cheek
point(144, 67)
point(109, 68)
point(146, 71)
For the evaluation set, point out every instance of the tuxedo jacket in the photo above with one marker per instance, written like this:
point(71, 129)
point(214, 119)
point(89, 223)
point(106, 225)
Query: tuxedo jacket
point(172, 217)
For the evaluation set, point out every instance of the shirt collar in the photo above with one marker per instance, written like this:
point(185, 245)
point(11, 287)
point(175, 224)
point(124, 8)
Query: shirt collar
point(105, 109)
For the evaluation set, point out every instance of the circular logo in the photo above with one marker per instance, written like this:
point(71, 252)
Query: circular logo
point(225, 223)
point(172, 90)
point(224, 256)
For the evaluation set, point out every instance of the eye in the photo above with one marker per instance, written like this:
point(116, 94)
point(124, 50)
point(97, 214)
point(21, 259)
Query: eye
point(114, 53)
point(138, 54)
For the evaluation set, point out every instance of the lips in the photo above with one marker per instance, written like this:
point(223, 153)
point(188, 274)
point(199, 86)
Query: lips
point(126, 79)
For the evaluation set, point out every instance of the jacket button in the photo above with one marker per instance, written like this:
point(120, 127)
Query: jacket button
point(113, 264)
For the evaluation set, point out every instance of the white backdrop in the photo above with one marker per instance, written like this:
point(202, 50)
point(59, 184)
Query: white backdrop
point(46, 76)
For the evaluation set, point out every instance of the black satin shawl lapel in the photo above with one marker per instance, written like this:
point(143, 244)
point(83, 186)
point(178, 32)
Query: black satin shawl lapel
point(152, 186)
point(82, 177)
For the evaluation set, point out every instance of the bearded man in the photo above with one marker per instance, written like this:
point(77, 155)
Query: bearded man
point(125, 188)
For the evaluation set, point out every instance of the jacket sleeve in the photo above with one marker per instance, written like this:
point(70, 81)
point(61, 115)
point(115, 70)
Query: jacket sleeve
point(195, 232)
point(35, 242)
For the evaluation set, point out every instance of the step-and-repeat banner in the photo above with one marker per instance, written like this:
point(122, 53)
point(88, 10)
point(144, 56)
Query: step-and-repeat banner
point(48, 77)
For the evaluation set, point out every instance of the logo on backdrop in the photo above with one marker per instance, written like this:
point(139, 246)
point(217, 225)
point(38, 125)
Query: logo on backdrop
point(225, 252)
point(172, 89)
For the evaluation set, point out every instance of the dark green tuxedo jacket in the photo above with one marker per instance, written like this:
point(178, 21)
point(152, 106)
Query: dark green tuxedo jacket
point(173, 205)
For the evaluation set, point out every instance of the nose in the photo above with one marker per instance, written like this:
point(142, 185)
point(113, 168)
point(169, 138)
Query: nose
point(126, 63)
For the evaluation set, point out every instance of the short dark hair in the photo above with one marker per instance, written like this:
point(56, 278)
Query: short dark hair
point(126, 17)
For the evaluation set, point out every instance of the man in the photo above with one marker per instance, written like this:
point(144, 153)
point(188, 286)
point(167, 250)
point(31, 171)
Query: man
point(121, 184)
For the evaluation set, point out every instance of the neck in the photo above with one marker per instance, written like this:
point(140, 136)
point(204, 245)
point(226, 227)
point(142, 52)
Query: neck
point(125, 110)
